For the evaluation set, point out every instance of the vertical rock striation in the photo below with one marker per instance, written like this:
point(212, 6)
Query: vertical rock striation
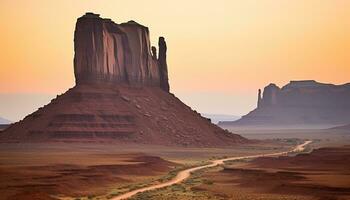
point(110, 52)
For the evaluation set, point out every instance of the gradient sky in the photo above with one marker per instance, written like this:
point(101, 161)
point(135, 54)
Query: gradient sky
point(219, 52)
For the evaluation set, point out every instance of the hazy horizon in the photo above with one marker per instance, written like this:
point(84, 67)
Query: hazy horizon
point(218, 56)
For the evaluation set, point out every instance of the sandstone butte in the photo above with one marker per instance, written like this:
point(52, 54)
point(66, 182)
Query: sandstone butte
point(299, 103)
point(121, 95)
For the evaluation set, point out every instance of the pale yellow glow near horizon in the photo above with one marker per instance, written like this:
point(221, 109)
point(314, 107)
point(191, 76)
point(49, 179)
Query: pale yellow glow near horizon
point(231, 46)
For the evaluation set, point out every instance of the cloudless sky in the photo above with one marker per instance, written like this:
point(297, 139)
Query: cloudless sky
point(219, 52)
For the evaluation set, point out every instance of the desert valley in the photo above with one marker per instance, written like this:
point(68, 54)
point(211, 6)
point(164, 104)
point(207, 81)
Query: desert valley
point(120, 133)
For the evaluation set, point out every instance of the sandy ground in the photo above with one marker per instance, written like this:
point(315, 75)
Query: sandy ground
point(92, 169)
point(322, 174)
point(31, 174)
point(184, 174)
point(102, 170)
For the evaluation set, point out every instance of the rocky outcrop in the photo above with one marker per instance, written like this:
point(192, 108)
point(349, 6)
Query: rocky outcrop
point(121, 53)
point(163, 67)
point(121, 96)
point(259, 98)
point(300, 103)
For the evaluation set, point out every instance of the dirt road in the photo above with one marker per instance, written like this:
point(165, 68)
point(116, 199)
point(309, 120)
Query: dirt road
point(182, 175)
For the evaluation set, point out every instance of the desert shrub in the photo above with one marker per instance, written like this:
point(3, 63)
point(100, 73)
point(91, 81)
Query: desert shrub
point(208, 182)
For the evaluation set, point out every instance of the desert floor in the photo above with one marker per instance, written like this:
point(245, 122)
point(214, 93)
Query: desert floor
point(90, 170)
point(102, 171)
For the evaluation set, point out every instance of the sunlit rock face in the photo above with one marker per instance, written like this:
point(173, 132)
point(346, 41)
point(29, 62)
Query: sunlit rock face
point(110, 52)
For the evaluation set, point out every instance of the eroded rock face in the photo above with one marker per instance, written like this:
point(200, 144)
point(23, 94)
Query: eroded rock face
point(110, 52)
point(270, 95)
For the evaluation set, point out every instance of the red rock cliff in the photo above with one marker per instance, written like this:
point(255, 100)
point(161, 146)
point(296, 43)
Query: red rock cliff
point(121, 53)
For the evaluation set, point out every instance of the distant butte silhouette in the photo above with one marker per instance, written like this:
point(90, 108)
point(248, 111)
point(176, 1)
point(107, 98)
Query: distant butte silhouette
point(300, 103)
point(121, 95)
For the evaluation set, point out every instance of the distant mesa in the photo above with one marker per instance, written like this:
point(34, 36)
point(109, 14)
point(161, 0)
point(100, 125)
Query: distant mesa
point(4, 121)
point(299, 103)
point(216, 118)
point(121, 95)
point(342, 128)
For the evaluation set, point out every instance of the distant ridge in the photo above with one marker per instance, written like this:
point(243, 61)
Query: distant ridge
point(216, 118)
point(345, 127)
point(4, 121)
point(299, 103)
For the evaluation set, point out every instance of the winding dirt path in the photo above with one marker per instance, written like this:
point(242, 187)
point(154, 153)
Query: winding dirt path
point(184, 174)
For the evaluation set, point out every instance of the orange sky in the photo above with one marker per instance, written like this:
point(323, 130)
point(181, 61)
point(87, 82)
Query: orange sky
point(223, 49)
